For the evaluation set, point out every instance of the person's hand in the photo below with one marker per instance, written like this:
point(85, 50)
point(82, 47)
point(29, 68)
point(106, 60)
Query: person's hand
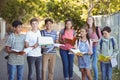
point(94, 40)
point(89, 53)
point(42, 46)
point(21, 53)
point(36, 45)
point(64, 41)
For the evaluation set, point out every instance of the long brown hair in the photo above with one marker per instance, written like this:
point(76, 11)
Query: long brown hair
point(93, 25)
point(66, 23)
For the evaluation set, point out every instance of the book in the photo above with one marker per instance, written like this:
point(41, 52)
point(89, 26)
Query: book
point(27, 50)
point(71, 41)
point(103, 58)
point(45, 41)
point(77, 52)
point(58, 45)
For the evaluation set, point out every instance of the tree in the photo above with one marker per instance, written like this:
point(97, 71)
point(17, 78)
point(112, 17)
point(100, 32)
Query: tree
point(59, 10)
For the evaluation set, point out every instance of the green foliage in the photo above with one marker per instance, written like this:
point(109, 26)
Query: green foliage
point(106, 7)
point(59, 10)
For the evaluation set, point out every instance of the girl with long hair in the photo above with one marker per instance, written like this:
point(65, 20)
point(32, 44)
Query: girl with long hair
point(67, 59)
point(84, 44)
point(92, 31)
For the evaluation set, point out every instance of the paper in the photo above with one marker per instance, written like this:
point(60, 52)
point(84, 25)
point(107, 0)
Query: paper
point(58, 45)
point(76, 51)
point(70, 52)
point(27, 50)
point(113, 62)
point(15, 50)
point(45, 41)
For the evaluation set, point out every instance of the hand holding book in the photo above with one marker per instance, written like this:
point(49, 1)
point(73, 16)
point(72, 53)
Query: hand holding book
point(70, 41)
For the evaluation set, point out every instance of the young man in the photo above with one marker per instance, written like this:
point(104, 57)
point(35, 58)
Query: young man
point(33, 56)
point(48, 59)
point(15, 42)
point(108, 47)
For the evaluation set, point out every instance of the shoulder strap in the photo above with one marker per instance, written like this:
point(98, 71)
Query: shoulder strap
point(113, 43)
point(42, 33)
point(101, 41)
point(112, 40)
point(97, 32)
point(62, 32)
point(78, 42)
point(74, 32)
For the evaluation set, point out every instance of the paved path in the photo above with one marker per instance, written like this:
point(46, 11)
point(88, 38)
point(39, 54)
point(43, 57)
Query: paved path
point(58, 69)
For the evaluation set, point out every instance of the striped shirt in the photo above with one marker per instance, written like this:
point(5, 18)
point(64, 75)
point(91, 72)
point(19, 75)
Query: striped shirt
point(52, 34)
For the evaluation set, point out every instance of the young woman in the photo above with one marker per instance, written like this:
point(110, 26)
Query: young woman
point(95, 37)
point(108, 47)
point(15, 42)
point(67, 59)
point(84, 44)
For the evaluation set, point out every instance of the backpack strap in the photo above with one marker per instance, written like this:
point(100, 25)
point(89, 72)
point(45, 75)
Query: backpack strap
point(97, 32)
point(42, 33)
point(62, 32)
point(101, 41)
point(112, 40)
point(113, 43)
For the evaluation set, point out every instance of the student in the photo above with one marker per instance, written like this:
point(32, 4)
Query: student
point(67, 59)
point(84, 44)
point(15, 42)
point(108, 47)
point(92, 31)
point(34, 56)
point(49, 57)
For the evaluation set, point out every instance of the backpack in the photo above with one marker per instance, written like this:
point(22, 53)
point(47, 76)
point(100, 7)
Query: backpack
point(112, 40)
point(42, 34)
point(97, 32)
point(4, 49)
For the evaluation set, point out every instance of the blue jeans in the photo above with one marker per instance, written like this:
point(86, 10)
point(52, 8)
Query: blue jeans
point(67, 60)
point(94, 63)
point(12, 71)
point(34, 62)
point(106, 70)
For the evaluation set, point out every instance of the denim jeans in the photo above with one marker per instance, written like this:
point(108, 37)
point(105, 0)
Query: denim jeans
point(106, 70)
point(94, 63)
point(67, 60)
point(34, 62)
point(12, 69)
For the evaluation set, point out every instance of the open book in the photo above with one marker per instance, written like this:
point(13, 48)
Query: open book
point(45, 41)
point(103, 58)
point(77, 52)
point(71, 41)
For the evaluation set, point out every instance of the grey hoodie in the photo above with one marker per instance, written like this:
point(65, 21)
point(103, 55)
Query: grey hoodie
point(107, 47)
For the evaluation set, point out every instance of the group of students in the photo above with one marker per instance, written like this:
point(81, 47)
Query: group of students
point(89, 43)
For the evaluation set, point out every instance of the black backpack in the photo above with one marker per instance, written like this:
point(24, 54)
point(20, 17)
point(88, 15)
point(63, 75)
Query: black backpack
point(97, 32)
point(42, 34)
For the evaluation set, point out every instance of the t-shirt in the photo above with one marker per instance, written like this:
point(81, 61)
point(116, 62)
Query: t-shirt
point(32, 39)
point(16, 42)
point(51, 48)
point(68, 35)
point(93, 35)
